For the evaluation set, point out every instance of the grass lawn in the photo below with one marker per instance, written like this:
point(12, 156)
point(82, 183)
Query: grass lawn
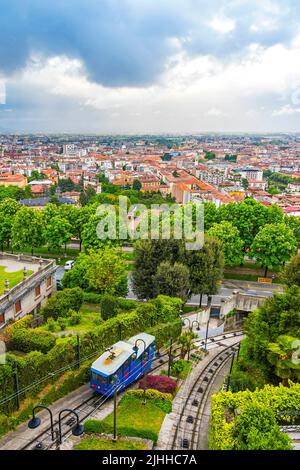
point(132, 413)
point(13, 277)
point(98, 443)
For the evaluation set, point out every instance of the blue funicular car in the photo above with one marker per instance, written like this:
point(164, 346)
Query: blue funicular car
point(124, 362)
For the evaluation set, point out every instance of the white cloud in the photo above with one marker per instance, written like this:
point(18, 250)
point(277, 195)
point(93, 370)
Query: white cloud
point(286, 110)
point(221, 24)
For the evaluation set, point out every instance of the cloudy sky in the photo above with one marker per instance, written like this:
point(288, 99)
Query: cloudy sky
point(126, 66)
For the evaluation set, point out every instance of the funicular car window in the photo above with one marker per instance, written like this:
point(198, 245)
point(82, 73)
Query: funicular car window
point(99, 378)
point(126, 364)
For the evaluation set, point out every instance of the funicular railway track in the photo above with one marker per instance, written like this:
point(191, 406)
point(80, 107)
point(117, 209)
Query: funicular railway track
point(188, 427)
point(93, 404)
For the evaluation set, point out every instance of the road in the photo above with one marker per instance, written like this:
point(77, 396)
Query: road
point(227, 288)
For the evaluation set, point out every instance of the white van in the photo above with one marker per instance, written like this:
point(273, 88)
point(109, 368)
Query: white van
point(69, 265)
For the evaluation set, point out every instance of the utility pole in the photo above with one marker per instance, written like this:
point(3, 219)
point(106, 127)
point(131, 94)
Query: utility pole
point(115, 408)
point(78, 351)
point(16, 382)
point(170, 357)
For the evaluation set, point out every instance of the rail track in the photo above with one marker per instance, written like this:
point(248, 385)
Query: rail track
point(94, 403)
point(188, 428)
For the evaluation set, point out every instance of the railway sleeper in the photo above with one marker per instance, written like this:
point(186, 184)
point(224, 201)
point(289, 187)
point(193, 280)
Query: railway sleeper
point(185, 443)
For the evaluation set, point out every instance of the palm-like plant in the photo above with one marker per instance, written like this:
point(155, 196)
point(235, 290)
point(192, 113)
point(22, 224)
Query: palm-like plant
point(186, 341)
point(285, 356)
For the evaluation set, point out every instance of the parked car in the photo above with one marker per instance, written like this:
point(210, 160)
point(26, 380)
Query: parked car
point(69, 265)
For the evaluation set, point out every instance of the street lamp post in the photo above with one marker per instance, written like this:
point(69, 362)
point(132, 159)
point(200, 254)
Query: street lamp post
point(78, 428)
point(135, 349)
point(120, 331)
point(229, 376)
point(115, 382)
point(35, 421)
point(197, 323)
point(188, 320)
point(206, 335)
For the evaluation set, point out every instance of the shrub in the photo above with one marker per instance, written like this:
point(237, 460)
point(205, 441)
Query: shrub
point(52, 325)
point(181, 368)
point(158, 382)
point(32, 340)
point(62, 302)
point(99, 427)
point(19, 324)
point(256, 429)
point(151, 393)
point(63, 323)
point(109, 306)
point(92, 298)
point(74, 318)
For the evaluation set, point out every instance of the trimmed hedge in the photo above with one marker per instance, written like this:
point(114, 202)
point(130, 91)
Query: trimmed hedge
point(19, 324)
point(27, 340)
point(227, 405)
point(150, 393)
point(99, 427)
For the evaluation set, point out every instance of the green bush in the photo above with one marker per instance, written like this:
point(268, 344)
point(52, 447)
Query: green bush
point(63, 323)
point(62, 302)
point(27, 340)
point(74, 319)
point(92, 297)
point(52, 325)
point(181, 368)
point(227, 432)
point(150, 393)
point(109, 306)
point(256, 429)
point(19, 324)
point(99, 427)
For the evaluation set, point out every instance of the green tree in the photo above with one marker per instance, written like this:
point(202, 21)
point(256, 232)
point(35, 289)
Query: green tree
point(8, 209)
point(148, 254)
point(285, 356)
point(291, 273)
point(186, 340)
point(245, 184)
point(231, 241)
point(206, 267)
point(249, 217)
point(58, 232)
point(102, 271)
point(28, 229)
point(172, 280)
point(137, 185)
point(106, 270)
point(273, 245)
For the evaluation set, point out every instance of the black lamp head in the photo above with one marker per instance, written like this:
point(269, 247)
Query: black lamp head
point(198, 328)
point(34, 423)
point(77, 430)
point(135, 348)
